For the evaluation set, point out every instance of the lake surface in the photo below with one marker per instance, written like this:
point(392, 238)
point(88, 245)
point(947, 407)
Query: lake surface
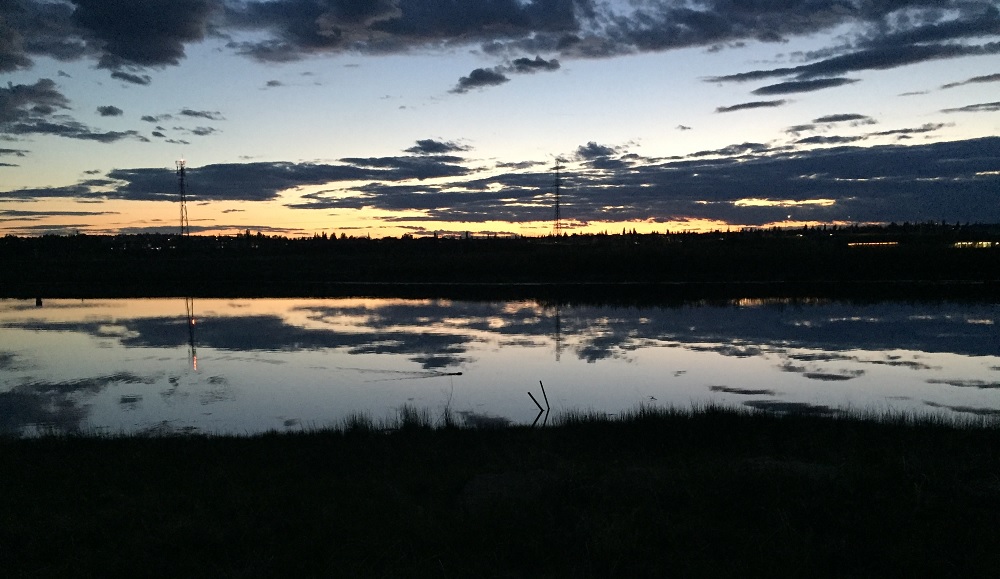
point(246, 366)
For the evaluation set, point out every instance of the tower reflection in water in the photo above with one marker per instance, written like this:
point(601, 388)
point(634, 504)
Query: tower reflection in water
point(191, 321)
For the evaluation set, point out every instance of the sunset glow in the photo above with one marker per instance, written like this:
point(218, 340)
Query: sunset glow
point(406, 117)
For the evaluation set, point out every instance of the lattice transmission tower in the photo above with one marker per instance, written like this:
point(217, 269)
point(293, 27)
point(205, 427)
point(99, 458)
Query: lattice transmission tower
point(557, 226)
point(182, 187)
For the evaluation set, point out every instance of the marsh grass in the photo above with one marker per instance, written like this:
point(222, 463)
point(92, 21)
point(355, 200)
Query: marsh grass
point(711, 491)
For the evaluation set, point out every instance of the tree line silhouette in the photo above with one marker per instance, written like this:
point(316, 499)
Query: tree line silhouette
point(257, 264)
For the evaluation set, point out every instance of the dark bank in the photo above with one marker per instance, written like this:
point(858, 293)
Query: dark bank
point(936, 261)
point(713, 492)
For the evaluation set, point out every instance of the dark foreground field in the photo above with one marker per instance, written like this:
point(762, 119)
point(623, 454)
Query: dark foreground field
point(715, 493)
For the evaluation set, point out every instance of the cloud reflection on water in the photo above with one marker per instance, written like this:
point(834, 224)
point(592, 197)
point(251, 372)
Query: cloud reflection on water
point(742, 391)
point(430, 328)
point(55, 405)
point(976, 411)
point(791, 407)
point(819, 341)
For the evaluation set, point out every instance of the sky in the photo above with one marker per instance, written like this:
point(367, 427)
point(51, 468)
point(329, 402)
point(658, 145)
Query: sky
point(392, 117)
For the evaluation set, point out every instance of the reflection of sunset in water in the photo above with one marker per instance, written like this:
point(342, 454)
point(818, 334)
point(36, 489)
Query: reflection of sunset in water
point(249, 365)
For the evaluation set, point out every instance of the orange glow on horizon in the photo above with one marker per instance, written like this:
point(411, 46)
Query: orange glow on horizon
point(229, 218)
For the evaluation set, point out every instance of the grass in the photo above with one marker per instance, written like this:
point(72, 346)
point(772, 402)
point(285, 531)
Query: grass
point(710, 492)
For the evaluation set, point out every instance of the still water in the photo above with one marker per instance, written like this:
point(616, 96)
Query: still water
point(252, 365)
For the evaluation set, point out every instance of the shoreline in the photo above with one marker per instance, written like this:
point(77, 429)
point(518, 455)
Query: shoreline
point(811, 263)
point(612, 292)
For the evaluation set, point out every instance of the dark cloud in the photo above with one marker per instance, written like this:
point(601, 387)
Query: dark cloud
point(36, 110)
point(608, 163)
point(26, 103)
point(852, 118)
point(235, 181)
point(974, 80)
point(841, 140)
point(602, 157)
point(926, 128)
point(33, 28)
point(735, 150)
point(156, 118)
point(274, 83)
point(885, 34)
point(127, 36)
point(139, 79)
point(803, 86)
point(879, 184)
point(978, 108)
point(33, 215)
point(751, 105)
point(12, 56)
point(301, 27)
point(110, 111)
point(527, 65)
point(296, 28)
point(967, 21)
point(209, 115)
point(214, 227)
point(828, 140)
point(14, 152)
point(256, 181)
point(592, 151)
point(271, 51)
point(202, 131)
point(79, 191)
point(519, 164)
point(881, 58)
point(432, 147)
point(401, 168)
point(821, 180)
point(71, 129)
point(483, 77)
point(798, 129)
point(124, 36)
point(479, 78)
point(142, 32)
